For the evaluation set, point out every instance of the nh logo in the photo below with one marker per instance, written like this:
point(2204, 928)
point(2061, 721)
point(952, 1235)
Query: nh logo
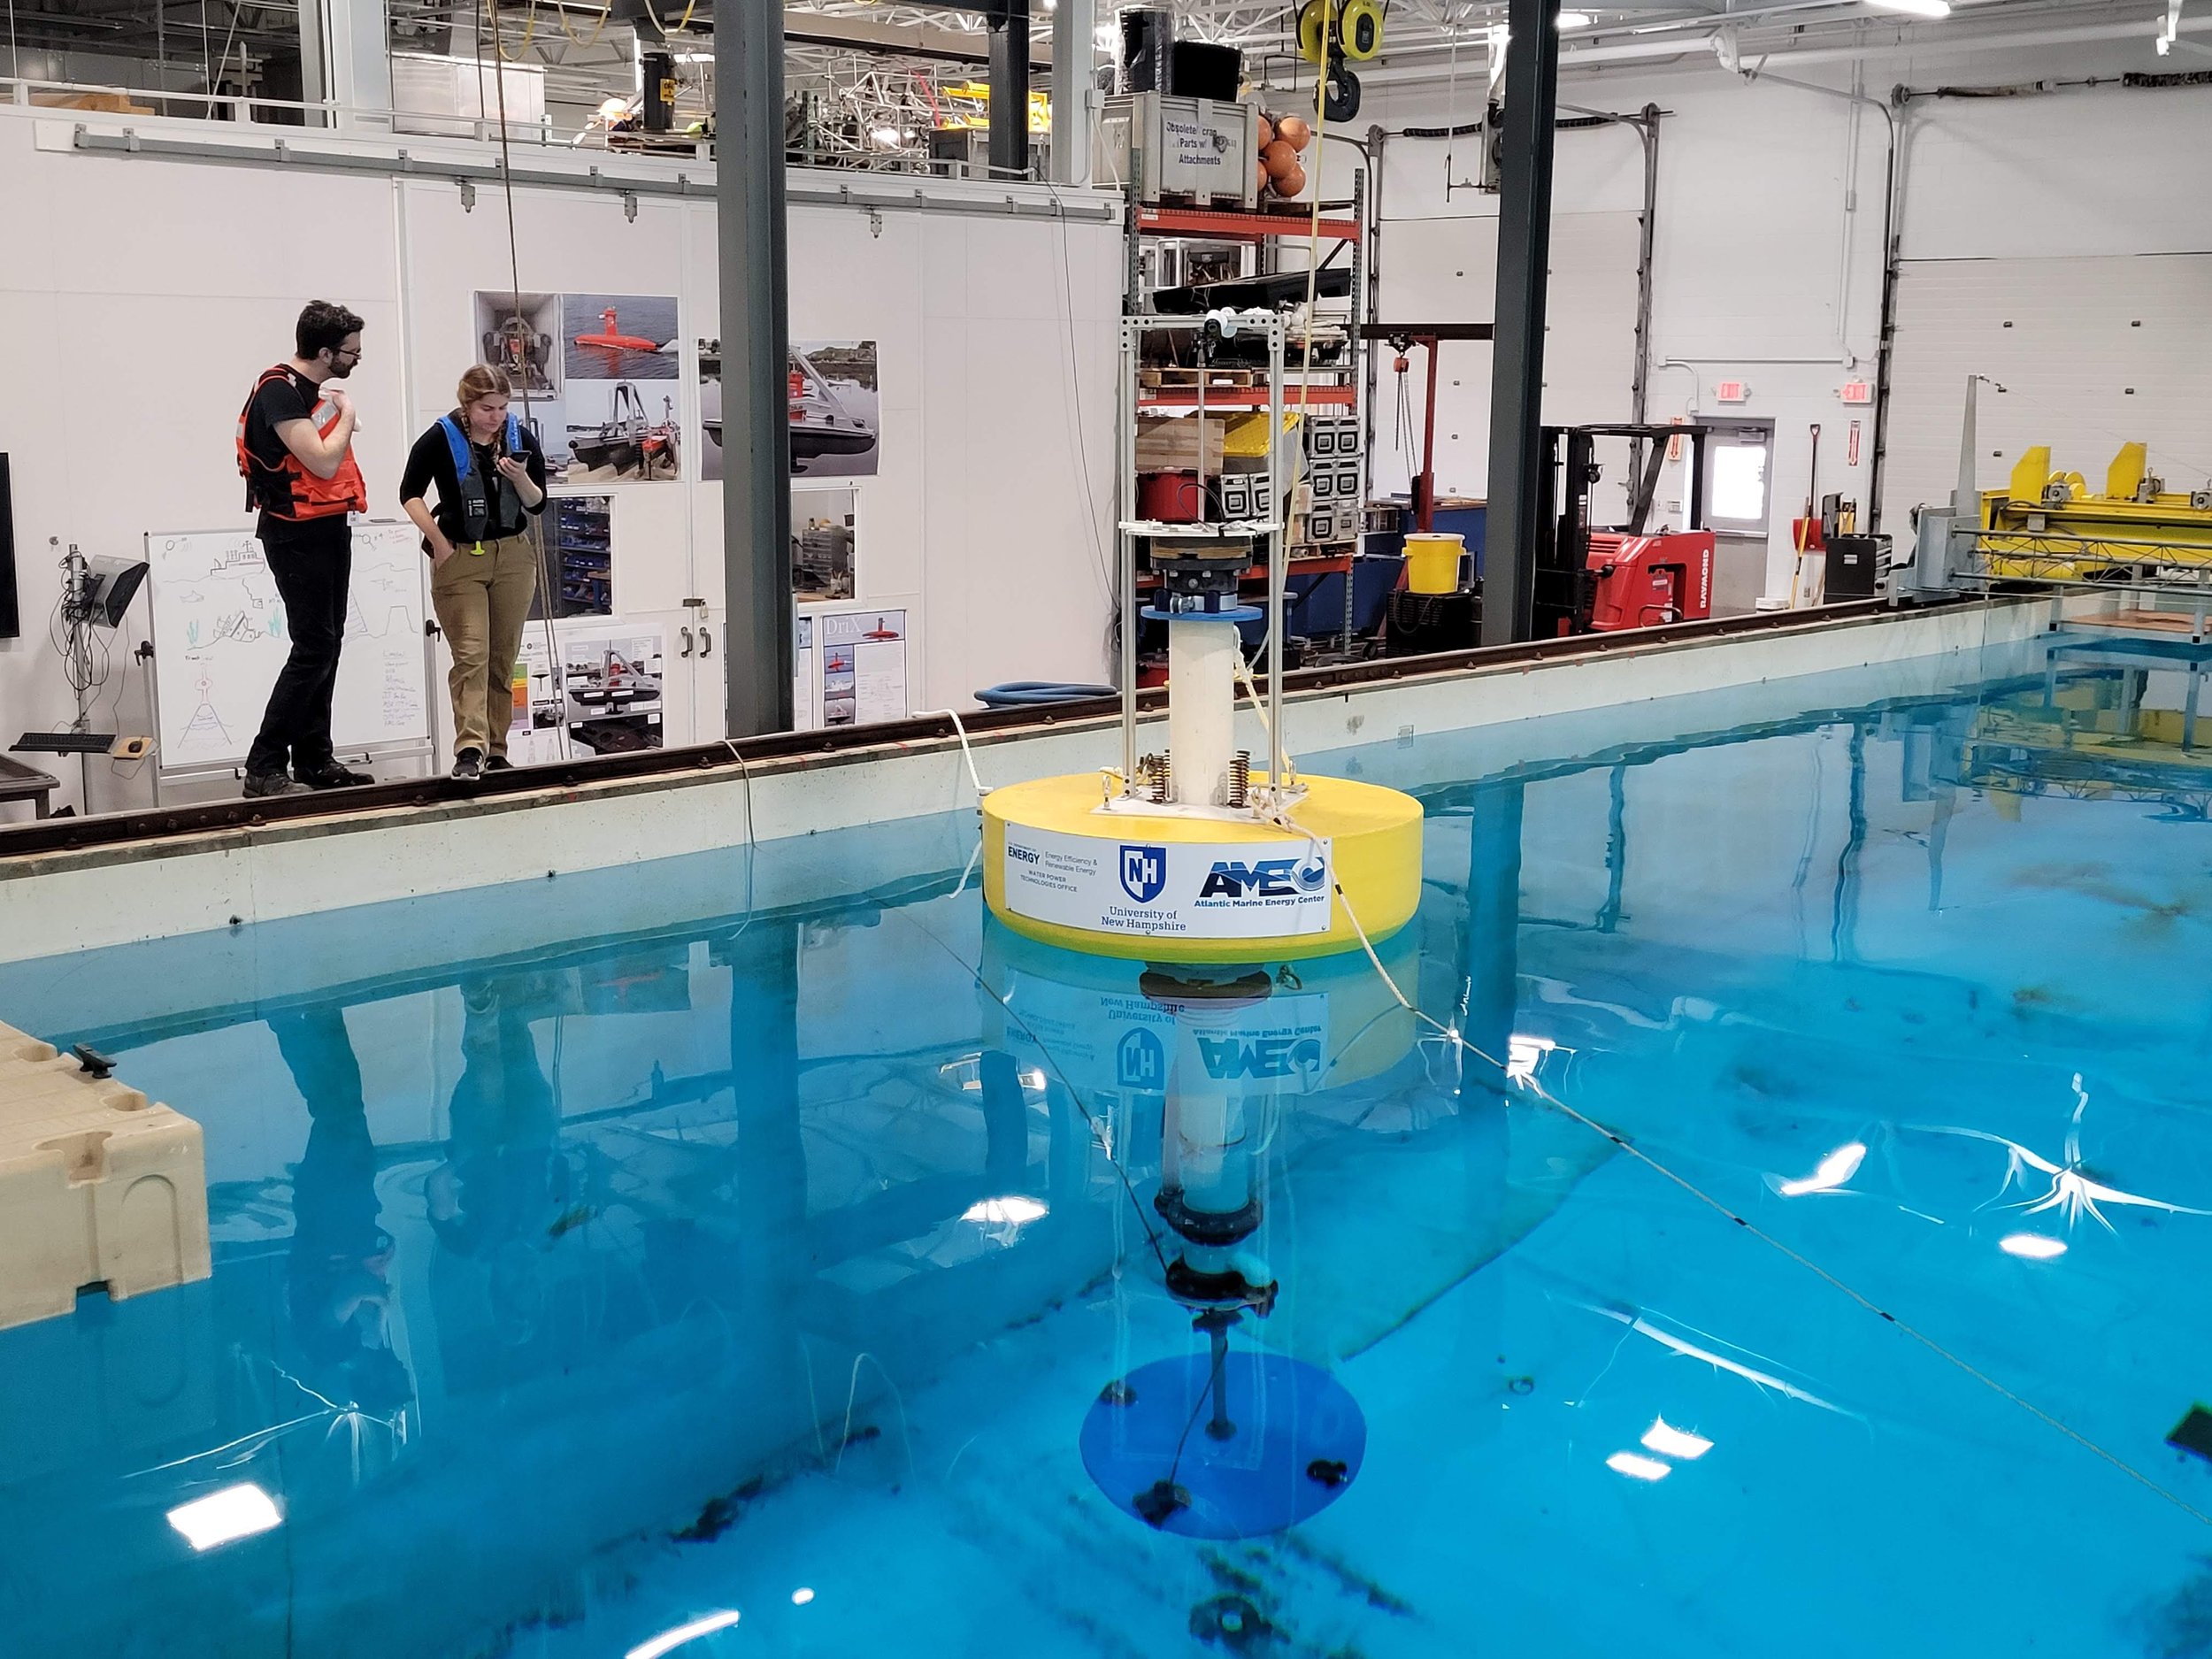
point(1143, 872)
point(1140, 1062)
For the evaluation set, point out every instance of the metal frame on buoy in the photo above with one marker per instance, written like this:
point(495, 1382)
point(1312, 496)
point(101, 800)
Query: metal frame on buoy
point(1196, 856)
point(1131, 531)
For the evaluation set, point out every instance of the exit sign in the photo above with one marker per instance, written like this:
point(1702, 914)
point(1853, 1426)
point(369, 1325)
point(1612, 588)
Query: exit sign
point(1732, 392)
point(1856, 392)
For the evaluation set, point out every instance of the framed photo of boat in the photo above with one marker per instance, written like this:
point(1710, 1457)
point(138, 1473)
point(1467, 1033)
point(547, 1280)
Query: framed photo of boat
point(620, 432)
point(835, 420)
point(618, 336)
point(598, 374)
point(516, 332)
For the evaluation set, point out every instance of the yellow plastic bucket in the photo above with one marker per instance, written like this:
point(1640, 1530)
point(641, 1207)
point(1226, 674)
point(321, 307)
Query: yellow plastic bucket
point(1433, 563)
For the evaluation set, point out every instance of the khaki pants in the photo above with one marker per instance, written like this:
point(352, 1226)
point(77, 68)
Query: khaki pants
point(482, 600)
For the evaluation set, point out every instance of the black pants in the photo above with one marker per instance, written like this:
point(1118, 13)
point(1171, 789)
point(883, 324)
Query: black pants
point(313, 564)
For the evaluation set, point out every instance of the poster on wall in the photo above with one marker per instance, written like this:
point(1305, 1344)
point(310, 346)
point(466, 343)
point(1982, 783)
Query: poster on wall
point(516, 332)
point(526, 343)
point(595, 376)
point(618, 434)
point(606, 698)
point(834, 414)
point(834, 424)
point(862, 660)
point(579, 557)
point(821, 543)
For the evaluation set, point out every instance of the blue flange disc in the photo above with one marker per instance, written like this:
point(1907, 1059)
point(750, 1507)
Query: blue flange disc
point(1240, 613)
point(1296, 1444)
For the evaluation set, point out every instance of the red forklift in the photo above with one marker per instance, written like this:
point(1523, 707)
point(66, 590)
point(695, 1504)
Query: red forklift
point(1603, 579)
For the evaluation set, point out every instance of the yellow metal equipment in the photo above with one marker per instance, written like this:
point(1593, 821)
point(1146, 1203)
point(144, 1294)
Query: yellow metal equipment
point(2047, 525)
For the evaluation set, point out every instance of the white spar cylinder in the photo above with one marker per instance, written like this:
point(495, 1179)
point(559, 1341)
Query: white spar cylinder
point(1201, 708)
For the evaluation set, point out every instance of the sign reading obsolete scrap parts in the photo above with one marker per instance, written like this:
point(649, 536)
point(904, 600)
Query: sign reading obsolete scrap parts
point(1240, 889)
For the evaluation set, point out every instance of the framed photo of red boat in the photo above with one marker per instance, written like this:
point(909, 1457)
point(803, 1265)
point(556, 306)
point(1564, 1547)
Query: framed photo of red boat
point(835, 424)
point(620, 432)
point(595, 379)
point(619, 337)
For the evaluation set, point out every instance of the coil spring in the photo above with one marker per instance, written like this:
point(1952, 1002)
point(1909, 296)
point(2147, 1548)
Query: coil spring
point(1240, 778)
point(1153, 771)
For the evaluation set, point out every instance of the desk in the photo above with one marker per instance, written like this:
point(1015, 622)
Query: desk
point(19, 782)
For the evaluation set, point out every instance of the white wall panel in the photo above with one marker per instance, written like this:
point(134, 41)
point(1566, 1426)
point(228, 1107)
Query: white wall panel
point(1445, 269)
point(2091, 353)
point(2078, 170)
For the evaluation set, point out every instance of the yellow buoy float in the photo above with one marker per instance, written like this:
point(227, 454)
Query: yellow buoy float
point(1060, 869)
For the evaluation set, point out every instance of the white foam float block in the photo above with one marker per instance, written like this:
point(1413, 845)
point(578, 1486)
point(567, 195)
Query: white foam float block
point(99, 1186)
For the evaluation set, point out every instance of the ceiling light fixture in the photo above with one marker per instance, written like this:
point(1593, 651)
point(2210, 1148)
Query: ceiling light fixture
point(1574, 20)
point(1914, 8)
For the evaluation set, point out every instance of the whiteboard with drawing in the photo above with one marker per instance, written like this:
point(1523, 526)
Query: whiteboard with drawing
point(219, 639)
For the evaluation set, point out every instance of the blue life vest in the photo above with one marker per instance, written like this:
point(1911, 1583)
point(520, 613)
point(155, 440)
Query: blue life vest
point(476, 508)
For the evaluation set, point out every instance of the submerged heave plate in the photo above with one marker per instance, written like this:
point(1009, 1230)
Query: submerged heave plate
point(1294, 1445)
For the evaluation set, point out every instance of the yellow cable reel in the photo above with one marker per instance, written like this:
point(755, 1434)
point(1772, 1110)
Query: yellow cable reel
point(1359, 30)
point(1352, 30)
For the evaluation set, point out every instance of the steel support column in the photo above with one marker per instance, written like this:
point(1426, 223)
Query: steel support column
point(1074, 52)
point(752, 241)
point(1008, 22)
point(1517, 386)
point(345, 57)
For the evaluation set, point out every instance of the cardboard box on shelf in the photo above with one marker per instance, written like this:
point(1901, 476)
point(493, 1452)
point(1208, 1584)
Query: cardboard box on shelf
point(1170, 443)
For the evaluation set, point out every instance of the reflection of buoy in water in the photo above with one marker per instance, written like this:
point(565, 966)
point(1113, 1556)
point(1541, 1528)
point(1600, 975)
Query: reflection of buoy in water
point(1223, 1440)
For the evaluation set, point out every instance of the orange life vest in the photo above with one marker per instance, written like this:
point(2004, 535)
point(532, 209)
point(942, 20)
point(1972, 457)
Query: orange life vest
point(289, 490)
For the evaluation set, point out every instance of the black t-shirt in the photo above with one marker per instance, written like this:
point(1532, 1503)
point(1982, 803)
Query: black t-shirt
point(431, 461)
point(281, 399)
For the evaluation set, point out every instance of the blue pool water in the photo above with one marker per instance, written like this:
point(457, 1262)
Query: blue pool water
point(602, 1267)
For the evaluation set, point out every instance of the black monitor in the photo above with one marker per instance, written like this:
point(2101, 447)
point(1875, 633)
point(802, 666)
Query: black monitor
point(111, 584)
point(11, 615)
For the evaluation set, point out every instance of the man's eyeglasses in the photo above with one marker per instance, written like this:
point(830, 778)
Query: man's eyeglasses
point(341, 352)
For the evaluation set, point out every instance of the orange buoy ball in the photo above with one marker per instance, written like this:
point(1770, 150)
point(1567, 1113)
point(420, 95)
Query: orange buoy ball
point(1261, 169)
point(1294, 130)
point(1279, 158)
point(1267, 132)
point(1290, 181)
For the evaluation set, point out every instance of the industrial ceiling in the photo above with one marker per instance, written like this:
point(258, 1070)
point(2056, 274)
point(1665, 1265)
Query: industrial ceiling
point(904, 53)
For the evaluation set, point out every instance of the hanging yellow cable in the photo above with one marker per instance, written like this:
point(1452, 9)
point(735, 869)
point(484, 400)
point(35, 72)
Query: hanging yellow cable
point(529, 32)
point(560, 10)
point(683, 24)
point(1313, 239)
